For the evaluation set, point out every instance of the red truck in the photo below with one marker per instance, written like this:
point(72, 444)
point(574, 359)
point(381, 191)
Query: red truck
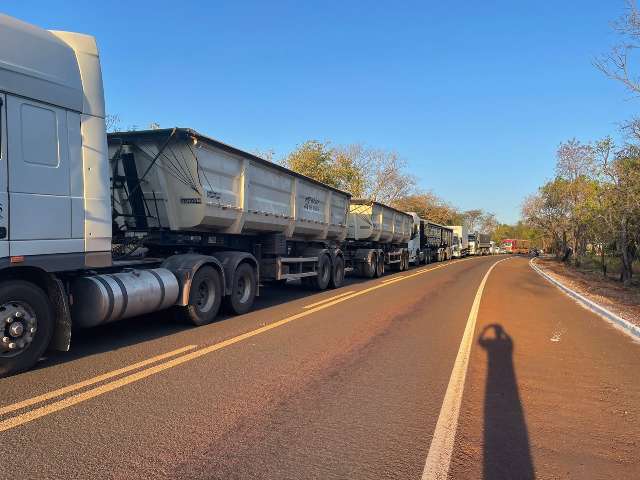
point(512, 245)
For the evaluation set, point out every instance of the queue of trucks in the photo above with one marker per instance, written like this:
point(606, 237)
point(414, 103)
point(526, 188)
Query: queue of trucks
point(97, 227)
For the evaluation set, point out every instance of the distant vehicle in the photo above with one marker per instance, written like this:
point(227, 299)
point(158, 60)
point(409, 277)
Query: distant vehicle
point(460, 241)
point(494, 248)
point(512, 245)
point(479, 243)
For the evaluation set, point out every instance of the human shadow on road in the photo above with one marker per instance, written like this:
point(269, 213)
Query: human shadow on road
point(506, 452)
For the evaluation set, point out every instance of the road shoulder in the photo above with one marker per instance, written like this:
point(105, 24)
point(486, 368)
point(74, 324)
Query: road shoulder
point(626, 321)
point(551, 390)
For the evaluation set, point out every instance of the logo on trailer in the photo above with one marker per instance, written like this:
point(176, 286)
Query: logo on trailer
point(191, 201)
point(311, 204)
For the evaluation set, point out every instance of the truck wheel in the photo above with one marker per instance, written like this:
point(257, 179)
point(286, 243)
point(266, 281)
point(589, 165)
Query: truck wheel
point(321, 281)
point(337, 274)
point(380, 266)
point(368, 269)
point(205, 297)
point(26, 326)
point(243, 290)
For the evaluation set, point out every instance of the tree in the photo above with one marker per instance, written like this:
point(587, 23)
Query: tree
point(385, 178)
point(369, 173)
point(616, 63)
point(429, 206)
point(620, 202)
point(574, 170)
point(112, 122)
point(320, 162)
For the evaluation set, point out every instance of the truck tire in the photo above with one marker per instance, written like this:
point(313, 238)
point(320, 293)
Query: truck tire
point(322, 279)
point(379, 266)
point(337, 273)
point(368, 269)
point(24, 339)
point(243, 290)
point(205, 297)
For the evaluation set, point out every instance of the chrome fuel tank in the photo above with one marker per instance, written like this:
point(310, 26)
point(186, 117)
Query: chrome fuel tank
point(100, 299)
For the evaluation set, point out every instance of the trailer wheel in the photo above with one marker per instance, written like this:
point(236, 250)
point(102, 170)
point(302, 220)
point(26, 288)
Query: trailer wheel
point(205, 297)
point(243, 290)
point(321, 281)
point(26, 326)
point(337, 274)
point(380, 266)
point(368, 269)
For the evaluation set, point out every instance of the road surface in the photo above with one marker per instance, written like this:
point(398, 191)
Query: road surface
point(376, 380)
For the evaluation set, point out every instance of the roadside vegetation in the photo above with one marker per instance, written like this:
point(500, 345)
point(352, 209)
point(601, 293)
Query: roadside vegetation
point(589, 214)
point(380, 175)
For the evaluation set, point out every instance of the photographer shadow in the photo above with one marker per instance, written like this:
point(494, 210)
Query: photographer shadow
point(506, 453)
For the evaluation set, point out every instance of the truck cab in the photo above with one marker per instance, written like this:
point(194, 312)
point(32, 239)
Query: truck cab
point(55, 202)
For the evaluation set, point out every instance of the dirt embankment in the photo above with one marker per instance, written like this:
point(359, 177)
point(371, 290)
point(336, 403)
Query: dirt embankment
point(612, 295)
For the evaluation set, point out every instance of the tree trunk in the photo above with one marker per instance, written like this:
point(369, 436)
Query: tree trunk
point(625, 257)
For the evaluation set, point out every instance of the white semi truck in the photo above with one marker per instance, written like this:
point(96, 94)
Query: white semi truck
point(479, 243)
point(95, 230)
point(460, 241)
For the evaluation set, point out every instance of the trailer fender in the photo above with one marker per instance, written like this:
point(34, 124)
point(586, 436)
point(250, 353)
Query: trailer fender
point(230, 262)
point(184, 266)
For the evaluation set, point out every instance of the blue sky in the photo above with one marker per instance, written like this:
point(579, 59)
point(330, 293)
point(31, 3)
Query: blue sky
point(476, 96)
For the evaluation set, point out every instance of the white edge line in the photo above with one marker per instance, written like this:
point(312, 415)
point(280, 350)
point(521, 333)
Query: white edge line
point(438, 459)
point(624, 325)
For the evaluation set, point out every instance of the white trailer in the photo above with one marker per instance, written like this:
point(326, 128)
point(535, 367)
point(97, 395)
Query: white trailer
point(93, 231)
point(178, 190)
point(377, 238)
point(460, 241)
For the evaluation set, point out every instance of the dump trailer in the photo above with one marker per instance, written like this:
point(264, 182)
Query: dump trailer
point(439, 242)
point(484, 243)
point(460, 247)
point(179, 190)
point(377, 238)
point(94, 230)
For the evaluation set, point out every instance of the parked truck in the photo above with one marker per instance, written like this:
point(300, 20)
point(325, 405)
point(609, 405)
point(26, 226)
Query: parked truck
point(377, 238)
point(97, 228)
point(479, 243)
point(460, 241)
point(430, 242)
point(514, 245)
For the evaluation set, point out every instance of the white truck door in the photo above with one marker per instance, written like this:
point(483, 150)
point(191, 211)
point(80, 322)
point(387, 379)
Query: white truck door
point(39, 183)
point(4, 196)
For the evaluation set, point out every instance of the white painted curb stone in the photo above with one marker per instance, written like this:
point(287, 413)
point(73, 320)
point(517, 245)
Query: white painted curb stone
point(626, 326)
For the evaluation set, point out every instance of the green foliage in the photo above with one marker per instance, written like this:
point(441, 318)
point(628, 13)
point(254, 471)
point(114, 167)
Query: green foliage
point(593, 203)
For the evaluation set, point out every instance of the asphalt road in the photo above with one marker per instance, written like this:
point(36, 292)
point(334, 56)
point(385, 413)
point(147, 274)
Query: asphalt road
point(350, 383)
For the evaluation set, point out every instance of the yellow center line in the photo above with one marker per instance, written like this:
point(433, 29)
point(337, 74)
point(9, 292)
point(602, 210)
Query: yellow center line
point(91, 381)
point(45, 410)
point(327, 300)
